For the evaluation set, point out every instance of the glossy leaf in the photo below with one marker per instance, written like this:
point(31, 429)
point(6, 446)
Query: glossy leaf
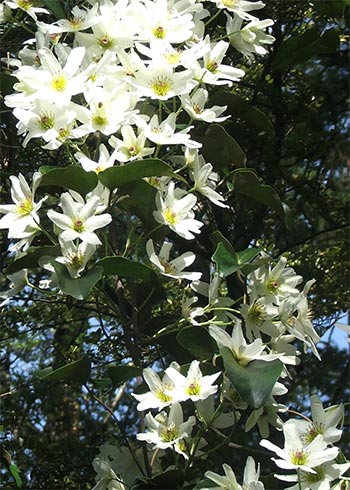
point(230, 262)
point(118, 176)
point(238, 107)
point(74, 371)
point(80, 287)
point(30, 259)
point(56, 7)
point(122, 373)
point(253, 382)
point(197, 341)
point(246, 182)
point(72, 177)
point(220, 149)
point(120, 266)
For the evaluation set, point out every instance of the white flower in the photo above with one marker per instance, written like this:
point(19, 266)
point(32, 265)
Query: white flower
point(18, 282)
point(164, 133)
point(229, 481)
point(80, 19)
point(242, 352)
point(75, 257)
point(194, 106)
point(177, 213)
point(166, 431)
point(251, 39)
point(325, 474)
point(162, 392)
point(79, 221)
point(324, 422)
point(131, 147)
point(258, 318)
point(295, 455)
point(204, 180)
point(240, 7)
point(160, 81)
point(27, 6)
point(21, 218)
point(194, 386)
point(215, 72)
point(173, 268)
point(105, 160)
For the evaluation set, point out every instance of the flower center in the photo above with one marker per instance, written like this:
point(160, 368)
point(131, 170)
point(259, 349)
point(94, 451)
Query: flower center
point(193, 388)
point(46, 121)
point(77, 261)
point(133, 151)
point(312, 432)
point(99, 120)
point(170, 433)
point(161, 85)
point(159, 32)
point(105, 42)
point(163, 397)
point(212, 66)
point(24, 4)
point(78, 225)
point(63, 133)
point(256, 314)
point(168, 268)
point(229, 3)
point(25, 206)
point(170, 217)
point(59, 84)
point(197, 108)
point(272, 285)
point(76, 22)
point(299, 457)
point(173, 57)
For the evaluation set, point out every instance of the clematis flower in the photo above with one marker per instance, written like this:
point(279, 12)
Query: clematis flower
point(176, 212)
point(204, 180)
point(229, 481)
point(131, 147)
point(194, 106)
point(75, 257)
point(18, 281)
point(251, 39)
point(194, 386)
point(79, 221)
point(166, 431)
point(174, 268)
point(21, 218)
point(105, 160)
point(26, 6)
point(240, 7)
point(164, 133)
point(162, 392)
point(295, 455)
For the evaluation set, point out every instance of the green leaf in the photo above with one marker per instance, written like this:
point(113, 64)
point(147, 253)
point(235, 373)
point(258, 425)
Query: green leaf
point(198, 341)
point(246, 182)
point(127, 268)
point(168, 480)
point(115, 177)
point(78, 288)
point(120, 374)
point(238, 107)
point(56, 7)
point(217, 237)
point(255, 381)
point(74, 371)
point(15, 471)
point(230, 262)
point(30, 259)
point(6, 83)
point(220, 149)
point(72, 177)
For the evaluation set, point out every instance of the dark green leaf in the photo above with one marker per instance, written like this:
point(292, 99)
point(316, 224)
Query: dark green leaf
point(74, 371)
point(169, 480)
point(122, 373)
point(30, 259)
point(71, 177)
point(217, 237)
point(230, 262)
point(329, 42)
point(238, 107)
point(78, 288)
point(253, 382)
point(15, 471)
point(56, 7)
point(123, 267)
point(220, 149)
point(246, 182)
point(6, 84)
point(197, 341)
point(115, 177)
